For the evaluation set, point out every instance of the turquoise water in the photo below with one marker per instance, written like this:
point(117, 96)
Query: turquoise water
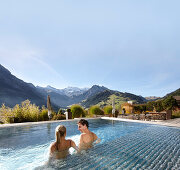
point(124, 145)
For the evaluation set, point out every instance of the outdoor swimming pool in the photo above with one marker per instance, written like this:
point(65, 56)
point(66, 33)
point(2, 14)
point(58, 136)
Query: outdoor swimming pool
point(124, 145)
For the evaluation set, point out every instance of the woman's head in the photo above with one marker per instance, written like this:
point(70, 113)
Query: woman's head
point(60, 132)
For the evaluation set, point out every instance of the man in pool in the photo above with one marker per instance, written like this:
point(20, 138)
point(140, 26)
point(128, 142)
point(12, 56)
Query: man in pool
point(87, 137)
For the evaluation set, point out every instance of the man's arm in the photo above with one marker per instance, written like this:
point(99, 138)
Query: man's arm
point(96, 139)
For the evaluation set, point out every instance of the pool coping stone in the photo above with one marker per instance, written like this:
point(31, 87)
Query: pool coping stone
point(171, 122)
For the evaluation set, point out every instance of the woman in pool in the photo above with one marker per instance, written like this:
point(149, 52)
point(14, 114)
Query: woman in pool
point(60, 148)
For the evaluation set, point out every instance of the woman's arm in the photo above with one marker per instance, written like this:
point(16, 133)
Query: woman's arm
point(74, 145)
point(98, 140)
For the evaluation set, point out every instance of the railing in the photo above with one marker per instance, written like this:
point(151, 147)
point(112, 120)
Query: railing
point(148, 116)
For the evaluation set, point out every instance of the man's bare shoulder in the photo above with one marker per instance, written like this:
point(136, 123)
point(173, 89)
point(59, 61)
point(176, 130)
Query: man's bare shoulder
point(93, 133)
point(83, 134)
point(94, 136)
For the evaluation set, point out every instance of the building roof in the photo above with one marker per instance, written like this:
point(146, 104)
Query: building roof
point(127, 104)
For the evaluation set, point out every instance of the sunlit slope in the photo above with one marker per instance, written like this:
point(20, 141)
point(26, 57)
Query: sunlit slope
point(106, 97)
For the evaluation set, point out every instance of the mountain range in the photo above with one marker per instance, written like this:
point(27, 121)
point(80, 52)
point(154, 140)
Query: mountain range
point(13, 91)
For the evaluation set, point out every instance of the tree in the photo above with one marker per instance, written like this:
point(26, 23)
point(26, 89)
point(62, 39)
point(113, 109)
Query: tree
point(49, 107)
point(149, 106)
point(169, 103)
point(137, 109)
point(159, 106)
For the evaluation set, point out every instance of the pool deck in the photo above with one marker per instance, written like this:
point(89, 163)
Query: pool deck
point(40, 122)
point(171, 122)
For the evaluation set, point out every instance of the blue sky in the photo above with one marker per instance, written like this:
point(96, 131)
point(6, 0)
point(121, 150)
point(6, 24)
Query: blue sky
point(126, 45)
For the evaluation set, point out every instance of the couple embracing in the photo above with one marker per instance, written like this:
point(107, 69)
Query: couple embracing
point(60, 148)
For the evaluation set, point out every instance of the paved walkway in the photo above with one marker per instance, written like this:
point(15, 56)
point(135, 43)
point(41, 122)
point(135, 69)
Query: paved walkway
point(171, 122)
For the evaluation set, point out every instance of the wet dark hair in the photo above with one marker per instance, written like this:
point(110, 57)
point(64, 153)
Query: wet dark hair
point(84, 122)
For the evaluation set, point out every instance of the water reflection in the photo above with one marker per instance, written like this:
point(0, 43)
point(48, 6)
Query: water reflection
point(49, 129)
point(112, 122)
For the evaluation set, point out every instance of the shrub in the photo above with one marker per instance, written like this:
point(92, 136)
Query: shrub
point(59, 117)
point(30, 111)
point(77, 111)
point(34, 112)
point(6, 114)
point(18, 116)
point(43, 116)
point(95, 110)
point(27, 112)
point(86, 112)
point(108, 110)
point(176, 114)
point(60, 111)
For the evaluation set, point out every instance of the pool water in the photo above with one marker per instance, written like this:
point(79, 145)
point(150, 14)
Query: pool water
point(124, 145)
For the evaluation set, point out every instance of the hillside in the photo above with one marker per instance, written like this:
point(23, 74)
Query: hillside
point(174, 93)
point(13, 90)
point(106, 97)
